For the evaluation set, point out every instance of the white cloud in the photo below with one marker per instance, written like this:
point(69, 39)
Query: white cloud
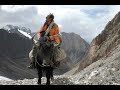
point(14, 8)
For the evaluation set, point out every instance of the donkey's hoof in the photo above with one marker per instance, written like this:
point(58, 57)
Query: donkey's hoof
point(39, 83)
point(52, 79)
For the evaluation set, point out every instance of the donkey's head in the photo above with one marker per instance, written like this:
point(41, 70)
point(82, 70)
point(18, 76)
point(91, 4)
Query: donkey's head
point(45, 50)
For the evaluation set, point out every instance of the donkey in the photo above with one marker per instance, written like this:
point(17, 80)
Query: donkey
point(44, 59)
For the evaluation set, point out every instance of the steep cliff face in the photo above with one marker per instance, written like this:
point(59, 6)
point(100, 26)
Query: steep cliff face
point(104, 43)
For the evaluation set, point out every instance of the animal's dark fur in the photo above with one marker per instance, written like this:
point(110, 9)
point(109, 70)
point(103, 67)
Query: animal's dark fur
point(45, 53)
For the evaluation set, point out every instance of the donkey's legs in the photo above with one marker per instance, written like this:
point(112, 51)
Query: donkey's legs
point(51, 72)
point(39, 75)
point(48, 75)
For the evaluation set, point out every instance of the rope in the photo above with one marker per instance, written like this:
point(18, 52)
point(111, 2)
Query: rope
point(42, 65)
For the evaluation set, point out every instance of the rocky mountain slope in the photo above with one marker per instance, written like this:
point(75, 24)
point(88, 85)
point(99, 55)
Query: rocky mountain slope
point(105, 71)
point(74, 46)
point(101, 64)
point(14, 51)
point(103, 44)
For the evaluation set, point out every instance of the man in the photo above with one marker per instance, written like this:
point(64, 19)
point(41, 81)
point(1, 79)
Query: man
point(53, 37)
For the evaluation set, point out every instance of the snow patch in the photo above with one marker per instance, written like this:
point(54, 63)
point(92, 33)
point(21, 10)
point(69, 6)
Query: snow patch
point(5, 79)
point(24, 33)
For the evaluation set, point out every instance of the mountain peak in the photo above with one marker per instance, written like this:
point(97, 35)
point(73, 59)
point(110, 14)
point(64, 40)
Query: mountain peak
point(22, 31)
point(12, 28)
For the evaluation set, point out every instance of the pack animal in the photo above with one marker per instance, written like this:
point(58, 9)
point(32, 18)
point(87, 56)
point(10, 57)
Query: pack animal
point(44, 59)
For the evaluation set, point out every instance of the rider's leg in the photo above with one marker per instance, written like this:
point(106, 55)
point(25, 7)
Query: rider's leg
point(32, 56)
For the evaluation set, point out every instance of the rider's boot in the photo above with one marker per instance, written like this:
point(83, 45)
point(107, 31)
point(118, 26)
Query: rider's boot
point(32, 64)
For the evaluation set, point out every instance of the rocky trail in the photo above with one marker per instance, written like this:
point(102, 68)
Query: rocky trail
point(58, 80)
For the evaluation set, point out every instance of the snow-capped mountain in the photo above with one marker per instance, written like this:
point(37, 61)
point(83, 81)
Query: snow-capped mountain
point(22, 31)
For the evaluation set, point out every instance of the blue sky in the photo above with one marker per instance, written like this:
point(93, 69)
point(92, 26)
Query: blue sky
point(86, 20)
point(93, 13)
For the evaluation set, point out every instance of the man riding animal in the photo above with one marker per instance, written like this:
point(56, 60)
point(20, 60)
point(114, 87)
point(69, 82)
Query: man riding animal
point(51, 30)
